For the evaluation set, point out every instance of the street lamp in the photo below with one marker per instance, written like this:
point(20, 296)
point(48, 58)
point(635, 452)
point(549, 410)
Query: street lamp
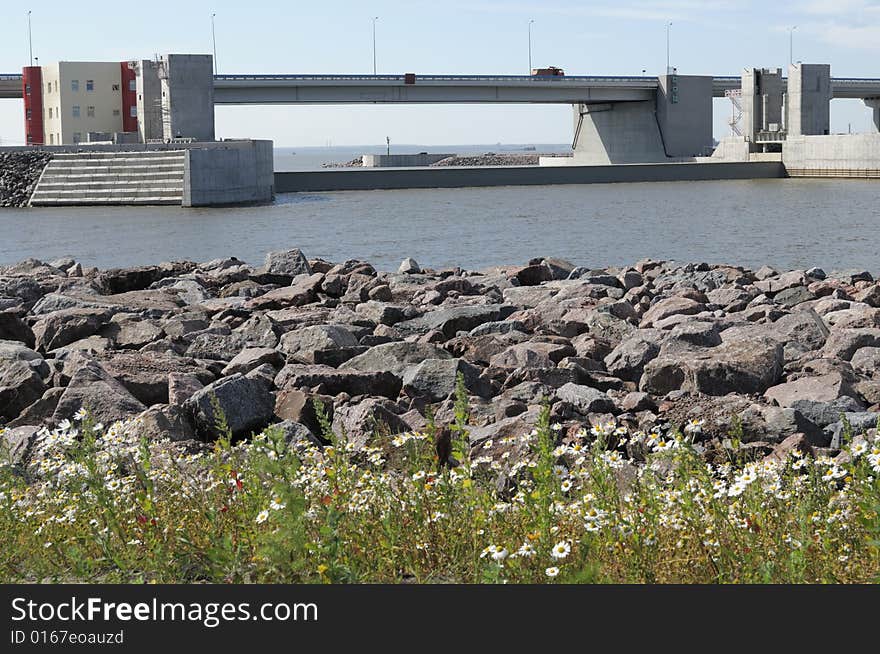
point(375, 18)
point(791, 44)
point(30, 39)
point(214, 40)
point(668, 25)
point(530, 46)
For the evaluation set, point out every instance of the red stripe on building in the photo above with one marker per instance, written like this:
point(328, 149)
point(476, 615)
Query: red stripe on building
point(129, 99)
point(32, 92)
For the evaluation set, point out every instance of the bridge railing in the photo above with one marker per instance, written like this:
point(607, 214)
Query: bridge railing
point(570, 79)
point(10, 77)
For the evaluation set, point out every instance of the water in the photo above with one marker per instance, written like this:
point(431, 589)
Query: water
point(787, 223)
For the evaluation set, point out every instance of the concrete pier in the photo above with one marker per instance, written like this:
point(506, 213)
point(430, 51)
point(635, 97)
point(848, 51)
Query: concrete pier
point(460, 177)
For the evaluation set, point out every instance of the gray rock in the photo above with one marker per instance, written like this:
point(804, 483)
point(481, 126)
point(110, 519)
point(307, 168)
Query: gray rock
point(585, 399)
point(62, 327)
point(20, 386)
point(381, 312)
point(17, 443)
point(41, 410)
point(395, 357)
point(822, 388)
point(296, 434)
point(165, 421)
point(251, 358)
point(435, 379)
point(628, 360)
point(246, 403)
point(670, 307)
point(843, 343)
point(360, 422)
point(95, 390)
point(859, 423)
point(216, 347)
point(409, 266)
point(352, 382)
point(13, 328)
point(285, 265)
point(316, 344)
point(182, 386)
point(498, 327)
point(452, 320)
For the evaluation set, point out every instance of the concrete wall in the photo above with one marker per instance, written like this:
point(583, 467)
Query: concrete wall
point(229, 173)
point(617, 133)
point(684, 113)
point(857, 153)
point(402, 160)
point(761, 101)
point(149, 101)
point(874, 103)
point(390, 178)
point(809, 99)
point(187, 96)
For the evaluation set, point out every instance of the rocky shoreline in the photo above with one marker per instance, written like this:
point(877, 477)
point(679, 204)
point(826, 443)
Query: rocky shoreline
point(487, 159)
point(19, 173)
point(774, 359)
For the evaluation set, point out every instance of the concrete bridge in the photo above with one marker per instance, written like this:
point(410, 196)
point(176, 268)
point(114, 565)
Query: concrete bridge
point(452, 89)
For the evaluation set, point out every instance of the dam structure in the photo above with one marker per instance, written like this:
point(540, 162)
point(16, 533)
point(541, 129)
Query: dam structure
point(168, 103)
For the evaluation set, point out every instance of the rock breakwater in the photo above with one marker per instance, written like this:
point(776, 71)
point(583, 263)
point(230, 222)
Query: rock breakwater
point(772, 359)
point(19, 173)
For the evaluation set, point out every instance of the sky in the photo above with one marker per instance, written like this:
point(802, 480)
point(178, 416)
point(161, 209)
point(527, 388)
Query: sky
point(605, 37)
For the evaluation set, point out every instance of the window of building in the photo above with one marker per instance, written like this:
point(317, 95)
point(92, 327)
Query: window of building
point(74, 85)
point(116, 87)
point(134, 111)
point(132, 85)
point(116, 112)
point(50, 112)
point(77, 137)
point(27, 89)
point(76, 111)
point(29, 114)
point(51, 139)
point(90, 85)
point(90, 112)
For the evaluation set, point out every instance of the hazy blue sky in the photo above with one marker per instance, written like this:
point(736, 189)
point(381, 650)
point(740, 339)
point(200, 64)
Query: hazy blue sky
point(607, 37)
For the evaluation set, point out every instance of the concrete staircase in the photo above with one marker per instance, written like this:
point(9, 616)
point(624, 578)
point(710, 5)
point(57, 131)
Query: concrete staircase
point(106, 178)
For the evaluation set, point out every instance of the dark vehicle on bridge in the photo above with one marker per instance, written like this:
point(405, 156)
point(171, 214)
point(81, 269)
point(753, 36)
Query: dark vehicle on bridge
point(550, 71)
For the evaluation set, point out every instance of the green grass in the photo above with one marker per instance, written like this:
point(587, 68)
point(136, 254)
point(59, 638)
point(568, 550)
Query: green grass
point(99, 505)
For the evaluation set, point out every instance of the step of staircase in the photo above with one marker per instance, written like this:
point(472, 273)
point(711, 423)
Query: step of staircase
point(106, 178)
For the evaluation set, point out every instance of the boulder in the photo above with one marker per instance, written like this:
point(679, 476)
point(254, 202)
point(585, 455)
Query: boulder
point(394, 357)
point(253, 357)
point(670, 307)
point(97, 391)
point(435, 379)
point(301, 407)
point(20, 386)
point(409, 266)
point(41, 410)
point(319, 344)
point(585, 400)
point(532, 354)
point(282, 267)
point(247, 405)
point(452, 320)
point(62, 327)
point(17, 443)
point(303, 290)
point(628, 360)
point(182, 386)
point(165, 421)
point(145, 375)
point(360, 422)
point(13, 328)
point(819, 389)
point(843, 343)
point(352, 382)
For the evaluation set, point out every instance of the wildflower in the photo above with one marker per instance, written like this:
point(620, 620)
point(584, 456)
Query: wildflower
point(551, 571)
point(47, 544)
point(556, 426)
point(694, 426)
point(560, 550)
point(500, 554)
point(80, 415)
point(419, 475)
point(859, 448)
point(527, 550)
point(276, 504)
point(494, 551)
point(262, 516)
point(566, 486)
point(64, 425)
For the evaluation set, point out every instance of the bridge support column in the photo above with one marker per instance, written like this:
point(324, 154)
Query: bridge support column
point(616, 133)
point(874, 103)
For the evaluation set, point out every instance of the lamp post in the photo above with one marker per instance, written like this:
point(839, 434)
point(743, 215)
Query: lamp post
point(668, 25)
point(791, 44)
point(214, 40)
point(530, 46)
point(30, 39)
point(375, 18)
